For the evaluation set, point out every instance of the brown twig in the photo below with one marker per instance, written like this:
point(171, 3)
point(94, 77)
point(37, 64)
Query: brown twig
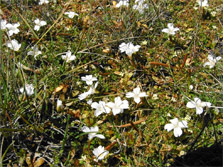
point(185, 59)
point(110, 145)
point(159, 64)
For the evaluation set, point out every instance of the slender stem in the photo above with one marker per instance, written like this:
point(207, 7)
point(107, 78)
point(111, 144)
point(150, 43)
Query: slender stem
point(55, 22)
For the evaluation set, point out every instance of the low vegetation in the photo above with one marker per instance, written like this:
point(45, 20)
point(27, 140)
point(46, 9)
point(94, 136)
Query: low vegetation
point(109, 83)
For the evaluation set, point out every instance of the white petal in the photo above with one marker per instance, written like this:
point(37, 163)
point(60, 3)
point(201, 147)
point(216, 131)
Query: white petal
point(118, 101)
point(102, 155)
point(174, 121)
point(136, 90)
point(125, 104)
point(42, 23)
point(94, 105)
point(94, 129)
point(83, 95)
point(166, 30)
point(85, 129)
point(176, 29)
point(21, 90)
point(130, 94)
point(89, 82)
point(96, 85)
point(100, 136)
point(110, 104)
point(206, 104)
point(183, 124)
point(36, 21)
point(137, 99)
point(36, 27)
point(177, 132)
point(91, 136)
point(210, 57)
point(116, 111)
point(207, 64)
point(107, 110)
point(197, 100)
point(170, 25)
point(97, 112)
point(191, 104)
point(30, 53)
point(169, 127)
point(143, 94)
point(218, 58)
point(199, 110)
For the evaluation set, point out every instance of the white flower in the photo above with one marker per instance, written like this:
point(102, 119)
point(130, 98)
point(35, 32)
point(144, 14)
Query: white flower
point(155, 97)
point(100, 152)
point(89, 92)
point(212, 61)
point(83, 96)
point(43, 1)
point(122, 3)
point(89, 79)
point(71, 14)
point(13, 44)
point(39, 23)
point(3, 24)
point(198, 105)
point(68, 57)
point(92, 132)
point(118, 106)
point(59, 104)
point(92, 89)
point(89, 101)
point(140, 6)
point(29, 89)
point(203, 3)
point(176, 125)
point(136, 94)
point(191, 87)
point(129, 48)
point(35, 51)
point(100, 108)
point(170, 30)
point(12, 28)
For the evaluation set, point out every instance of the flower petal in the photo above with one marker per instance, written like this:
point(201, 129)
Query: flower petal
point(137, 99)
point(110, 104)
point(191, 104)
point(166, 30)
point(118, 101)
point(197, 100)
point(183, 124)
point(94, 105)
point(143, 94)
point(168, 127)
point(136, 90)
point(97, 112)
point(85, 129)
point(205, 104)
point(218, 58)
point(177, 132)
point(130, 94)
point(207, 64)
point(125, 104)
point(199, 110)
point(116, 111)
point(174, 121)
point(100, 136)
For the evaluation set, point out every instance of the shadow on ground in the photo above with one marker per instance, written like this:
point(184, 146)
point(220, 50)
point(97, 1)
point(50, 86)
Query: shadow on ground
point(206, 156)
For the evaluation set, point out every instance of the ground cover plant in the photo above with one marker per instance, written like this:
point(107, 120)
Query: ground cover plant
point(110, 83)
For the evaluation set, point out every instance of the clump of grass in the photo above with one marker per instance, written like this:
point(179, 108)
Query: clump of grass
point(35, 131)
